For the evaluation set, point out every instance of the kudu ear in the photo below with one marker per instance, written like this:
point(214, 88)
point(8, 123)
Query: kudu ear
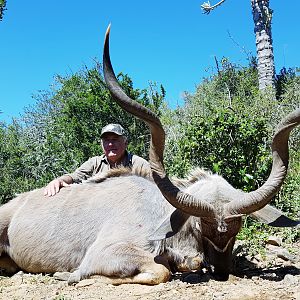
point(170, 226)
point(274, 217)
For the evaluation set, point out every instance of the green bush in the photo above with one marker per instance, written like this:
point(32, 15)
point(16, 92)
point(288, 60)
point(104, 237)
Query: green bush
point(231, 145)
point(63, 129)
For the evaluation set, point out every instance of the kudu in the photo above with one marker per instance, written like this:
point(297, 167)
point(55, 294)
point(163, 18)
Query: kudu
point(218, 206)
point(121, 228)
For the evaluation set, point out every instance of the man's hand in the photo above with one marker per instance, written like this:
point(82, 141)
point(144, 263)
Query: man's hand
point(54, 186)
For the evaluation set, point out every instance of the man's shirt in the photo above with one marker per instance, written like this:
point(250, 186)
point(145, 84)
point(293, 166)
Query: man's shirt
point(99, 165)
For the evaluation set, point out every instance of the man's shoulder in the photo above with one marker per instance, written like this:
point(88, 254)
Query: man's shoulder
point(96, 161)
point(98, 158)
point(137, 160)
point(141, 166)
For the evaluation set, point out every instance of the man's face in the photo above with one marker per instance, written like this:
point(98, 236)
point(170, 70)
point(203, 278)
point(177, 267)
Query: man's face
point(114, 146)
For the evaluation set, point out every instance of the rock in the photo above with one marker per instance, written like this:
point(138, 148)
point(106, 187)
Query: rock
point(233, 279)
point(63, 276)
point(285, 255)
point(297, 296)
point(20, 273)
point(280, 252)
point(237, 248)
point(290, 279)
point(85, 282)
point(257, 258)
point(274, 240)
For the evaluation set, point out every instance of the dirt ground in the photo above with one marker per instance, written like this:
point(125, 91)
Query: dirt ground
point(268, 278)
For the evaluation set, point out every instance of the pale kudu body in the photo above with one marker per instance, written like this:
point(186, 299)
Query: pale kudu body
point(116, 227)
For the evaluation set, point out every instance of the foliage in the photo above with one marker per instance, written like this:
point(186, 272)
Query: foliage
point(63, 129)
point(288, 199)
point(254, 236)
point(2, 8)
point(214, 131)
point(225, 143)
point(12, 175)
point(207, 7)
point(283, 79)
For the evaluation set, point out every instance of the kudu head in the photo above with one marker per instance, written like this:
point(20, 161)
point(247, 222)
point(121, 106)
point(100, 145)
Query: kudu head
point(219, 225)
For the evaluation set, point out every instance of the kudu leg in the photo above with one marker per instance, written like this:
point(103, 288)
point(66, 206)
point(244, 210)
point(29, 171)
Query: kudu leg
point(121, 263)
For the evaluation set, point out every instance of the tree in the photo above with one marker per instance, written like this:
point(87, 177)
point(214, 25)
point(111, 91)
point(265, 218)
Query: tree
point(262, 17)
point(2, 8)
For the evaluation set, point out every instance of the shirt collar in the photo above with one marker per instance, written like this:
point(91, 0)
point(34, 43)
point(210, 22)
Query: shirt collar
point(125, 161)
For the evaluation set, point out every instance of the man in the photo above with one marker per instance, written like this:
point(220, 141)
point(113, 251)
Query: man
point(114, 144)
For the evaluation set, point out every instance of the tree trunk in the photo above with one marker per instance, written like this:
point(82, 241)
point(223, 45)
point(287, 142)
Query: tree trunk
point(262, 17)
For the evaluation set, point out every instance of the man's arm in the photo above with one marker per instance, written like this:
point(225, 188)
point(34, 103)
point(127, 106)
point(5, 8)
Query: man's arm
point(56, 184)
point(82, 173)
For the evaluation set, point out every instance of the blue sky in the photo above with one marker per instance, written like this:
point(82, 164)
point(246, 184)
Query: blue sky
point(169, 42)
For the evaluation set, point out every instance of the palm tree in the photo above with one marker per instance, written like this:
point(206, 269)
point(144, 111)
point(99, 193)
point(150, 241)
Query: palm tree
point(262, 17)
